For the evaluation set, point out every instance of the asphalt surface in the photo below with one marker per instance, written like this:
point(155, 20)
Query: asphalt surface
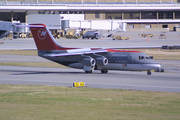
point(166, 82)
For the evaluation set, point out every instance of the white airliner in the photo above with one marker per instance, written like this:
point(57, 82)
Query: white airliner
point(90, 59)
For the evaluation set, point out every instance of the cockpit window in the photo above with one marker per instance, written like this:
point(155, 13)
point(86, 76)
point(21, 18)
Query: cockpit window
point(144, 57)
point(148, 57)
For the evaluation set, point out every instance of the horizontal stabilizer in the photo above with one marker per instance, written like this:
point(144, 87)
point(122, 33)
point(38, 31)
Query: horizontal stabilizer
point(31, 25)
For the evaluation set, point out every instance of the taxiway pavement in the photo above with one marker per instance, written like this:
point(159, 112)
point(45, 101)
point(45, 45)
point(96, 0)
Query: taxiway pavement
point(166, 82)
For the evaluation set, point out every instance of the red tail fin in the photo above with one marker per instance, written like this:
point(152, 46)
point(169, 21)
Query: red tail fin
point(43, 38)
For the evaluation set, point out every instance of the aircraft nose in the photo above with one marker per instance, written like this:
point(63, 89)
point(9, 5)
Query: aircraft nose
point(157, 66)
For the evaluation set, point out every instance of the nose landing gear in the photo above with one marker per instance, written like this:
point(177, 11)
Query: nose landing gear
point(156, 70)
point(148, 72)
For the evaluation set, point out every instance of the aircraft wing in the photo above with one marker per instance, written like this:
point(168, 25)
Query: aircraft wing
point(73, 53)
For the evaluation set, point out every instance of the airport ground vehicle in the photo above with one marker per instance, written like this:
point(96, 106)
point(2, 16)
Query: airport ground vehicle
point(147, 35)
point(120, 38)
point(57, 35)
point(70, 35)
point(29, 35)
point(91, 34)
point(90, 59)
point(162, 35)
point(15, 35)
point(22, 35)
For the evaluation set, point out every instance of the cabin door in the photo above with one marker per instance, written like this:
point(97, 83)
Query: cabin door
point(130, 59)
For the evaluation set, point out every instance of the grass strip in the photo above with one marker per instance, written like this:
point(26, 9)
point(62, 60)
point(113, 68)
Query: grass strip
point(19, 52)
point(22, 102)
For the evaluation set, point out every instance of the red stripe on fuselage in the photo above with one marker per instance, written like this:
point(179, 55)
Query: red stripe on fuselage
point(96, 48)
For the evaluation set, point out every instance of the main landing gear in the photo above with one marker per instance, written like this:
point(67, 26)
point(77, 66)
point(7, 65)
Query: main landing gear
point(104, 71)
point(88, 71)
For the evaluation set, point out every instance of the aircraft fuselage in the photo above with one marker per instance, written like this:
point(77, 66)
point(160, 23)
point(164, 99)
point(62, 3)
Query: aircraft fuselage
point(123, 60)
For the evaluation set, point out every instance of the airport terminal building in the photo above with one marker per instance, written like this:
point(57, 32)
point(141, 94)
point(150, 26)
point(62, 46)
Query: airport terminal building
point(138, 14)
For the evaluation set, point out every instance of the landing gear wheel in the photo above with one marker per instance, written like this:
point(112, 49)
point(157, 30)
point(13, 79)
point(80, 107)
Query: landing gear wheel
point(162, 70)
point(104, 71)
point(148, 72)
point(88, 71)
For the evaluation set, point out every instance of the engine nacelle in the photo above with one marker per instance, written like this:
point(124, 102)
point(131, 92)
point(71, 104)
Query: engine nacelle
point(101, 61)
point(88, 61)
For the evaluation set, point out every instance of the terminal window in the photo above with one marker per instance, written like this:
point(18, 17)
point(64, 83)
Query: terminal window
point(5, 16)
point(131, 26)
point(165, 15)
point(96, 15)
point(164, 26)
point(113, 15)
point(147, 26)
point(148, 15)
point(131, 15)
point(177, 15)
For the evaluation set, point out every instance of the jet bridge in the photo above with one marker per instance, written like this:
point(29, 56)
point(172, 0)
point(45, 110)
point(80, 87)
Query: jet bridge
point(5, 28)
point(111, 25)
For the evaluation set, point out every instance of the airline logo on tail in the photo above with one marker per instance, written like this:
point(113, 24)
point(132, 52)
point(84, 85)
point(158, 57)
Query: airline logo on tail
point(42, 34)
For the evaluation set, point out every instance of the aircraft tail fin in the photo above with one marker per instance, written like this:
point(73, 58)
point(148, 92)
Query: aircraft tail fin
point(43, 37)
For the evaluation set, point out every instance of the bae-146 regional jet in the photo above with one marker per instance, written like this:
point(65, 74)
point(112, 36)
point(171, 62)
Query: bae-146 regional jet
point(90, 59)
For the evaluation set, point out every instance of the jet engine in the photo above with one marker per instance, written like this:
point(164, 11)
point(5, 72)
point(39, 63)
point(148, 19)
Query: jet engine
point(101, 61)
point(88, 61)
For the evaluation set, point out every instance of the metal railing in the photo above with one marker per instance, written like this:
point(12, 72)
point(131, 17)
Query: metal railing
point(50, 2)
